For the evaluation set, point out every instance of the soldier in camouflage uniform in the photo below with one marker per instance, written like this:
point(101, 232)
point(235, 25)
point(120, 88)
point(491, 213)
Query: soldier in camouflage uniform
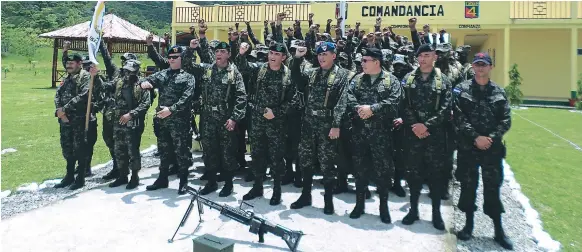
point(373, 97)
point(71, 106)
point(176, 88)
point(426, 110)
point(131, 103)
point(483, 116)
point(467, 72)
point(272, 94)
point(224, 99)
point(324, 108)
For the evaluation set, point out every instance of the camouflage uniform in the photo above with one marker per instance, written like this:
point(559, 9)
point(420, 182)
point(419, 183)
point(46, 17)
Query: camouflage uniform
point(272, 90)
point(324, 109)
point(427, 102)
point(224, 97)
point(481, 111)
point(129, 98)
point(176, 88)
point(372, 143)
point(71, 96)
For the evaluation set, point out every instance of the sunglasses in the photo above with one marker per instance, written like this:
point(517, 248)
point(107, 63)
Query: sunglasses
point(173, 57)
point(367, 60)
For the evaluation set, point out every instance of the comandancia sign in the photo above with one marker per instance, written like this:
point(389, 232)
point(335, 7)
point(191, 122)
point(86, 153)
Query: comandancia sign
point(423, 10)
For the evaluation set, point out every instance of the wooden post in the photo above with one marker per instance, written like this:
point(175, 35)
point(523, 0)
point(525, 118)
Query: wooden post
point(55, 59)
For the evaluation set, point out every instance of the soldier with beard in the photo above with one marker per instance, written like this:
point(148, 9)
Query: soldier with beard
point(224, 98)
point(426, 110)
point(131, 103)
point(324, 109)
point(176, 88)
point(272, 94)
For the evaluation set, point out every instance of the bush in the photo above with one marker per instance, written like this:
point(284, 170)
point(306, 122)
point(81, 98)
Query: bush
point(513, 92)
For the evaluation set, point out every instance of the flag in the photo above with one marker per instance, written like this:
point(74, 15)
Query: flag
point(95, 31)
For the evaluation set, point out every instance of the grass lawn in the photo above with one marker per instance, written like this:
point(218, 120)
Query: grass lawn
point(549, 169)
point(29, 125)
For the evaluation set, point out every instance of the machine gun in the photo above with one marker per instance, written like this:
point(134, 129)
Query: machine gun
point(257, 224)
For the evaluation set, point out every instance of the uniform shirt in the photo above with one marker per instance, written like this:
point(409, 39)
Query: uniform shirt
point(72, 94)
point(125, 90)
point(176, 88)
point(382, 97)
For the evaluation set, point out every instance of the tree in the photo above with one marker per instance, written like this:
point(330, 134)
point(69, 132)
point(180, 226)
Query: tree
point(512, 90)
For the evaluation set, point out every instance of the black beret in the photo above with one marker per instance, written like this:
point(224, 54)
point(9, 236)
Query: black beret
point(278, 47)
point(372, 52)
point(425, 48)
point(222, 45)
point(175, 49)
point(75, 57)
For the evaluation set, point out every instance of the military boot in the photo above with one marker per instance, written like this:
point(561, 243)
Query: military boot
point(80, 179)
point(288, 178)
point(161, 182)
point(328, 198)
point(227, 188)
point(255, 192)
point(500, 236)
point(397, 188)
point(342, 184)
point(183, 182)
point(276, 198)
point(69, 177)
point(305, 198)
point(121, 180)
point(358, 211)
point(412, 215)
point(384, 212)
point(134, 182)
point(467, 232)
point(250, 176)
point(204, 176)
point(211, 185)
point(114, 173)
point(437, 219)
point(173, 170)
point(298, 179)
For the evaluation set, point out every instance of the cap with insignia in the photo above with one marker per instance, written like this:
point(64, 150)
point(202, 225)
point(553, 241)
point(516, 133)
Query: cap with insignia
point(482, 58)
point(132, 65)
point(222, 45)
point(372, 52)
point(425, 48)
point(443, 47)
point(325, 47)
point(399, 59)
point(128, 56)
point(175, 49)
point(278, 47)
point(75, 57)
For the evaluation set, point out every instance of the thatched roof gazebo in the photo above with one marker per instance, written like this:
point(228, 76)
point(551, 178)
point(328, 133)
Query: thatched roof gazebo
point(119, 35)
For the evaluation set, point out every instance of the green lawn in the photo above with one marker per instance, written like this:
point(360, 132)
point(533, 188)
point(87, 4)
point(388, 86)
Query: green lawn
point(549, 170)
point(29, 125)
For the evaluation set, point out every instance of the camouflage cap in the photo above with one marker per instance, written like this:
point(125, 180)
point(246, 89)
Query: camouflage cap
point(343, 55)
point(128, 56)
point(297, 43)
point(399, 59)
point(132, 65)
point(445, 47)
point(213, 43)
point(358, 57)
point(278, 47)
point(463, 48)
point(386, 54)
point(253, 53)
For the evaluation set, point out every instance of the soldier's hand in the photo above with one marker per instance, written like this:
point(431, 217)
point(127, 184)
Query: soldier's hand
point(266, 23)
point(244, 47)
point(146, 85)
point(150, 39)
point(247, 23)
point(300, 52)
point(64, 118)
point(66, 45)
point(202, 27)
point(268, 114)
point(165, 112)
point(419, 130)
point(364, 111)
point(412, 23)
point(358, 24)
point(124, 119)
point(311, 16)
point(60, 113)
point(192, 29)
point(397, 122)
point(334, 133)
point(329, 21)
point(93, 70)
point(483, 143)
point(194, 43)
point(230, 124)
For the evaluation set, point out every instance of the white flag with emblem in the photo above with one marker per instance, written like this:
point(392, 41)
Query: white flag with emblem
point(95, 31)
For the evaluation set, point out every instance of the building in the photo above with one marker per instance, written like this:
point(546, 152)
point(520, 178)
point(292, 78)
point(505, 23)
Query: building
point(544, 38)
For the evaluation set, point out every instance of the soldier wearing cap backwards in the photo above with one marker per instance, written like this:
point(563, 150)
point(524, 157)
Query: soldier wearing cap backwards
point(131, 102)
point(176, 88)
point(483, 116)
point(426, 110)
point(324, 108)
point(224, 99)
point(272, 94)
point(373, 96)
point(71, 106)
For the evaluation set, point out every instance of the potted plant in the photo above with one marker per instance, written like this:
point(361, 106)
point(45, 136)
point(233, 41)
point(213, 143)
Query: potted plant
point(513, 92)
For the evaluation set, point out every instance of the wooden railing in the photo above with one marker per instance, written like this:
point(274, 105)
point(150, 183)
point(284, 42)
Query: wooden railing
point(242, 13)
point(541, 9)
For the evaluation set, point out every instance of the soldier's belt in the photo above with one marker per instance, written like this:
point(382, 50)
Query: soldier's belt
point(319, 112)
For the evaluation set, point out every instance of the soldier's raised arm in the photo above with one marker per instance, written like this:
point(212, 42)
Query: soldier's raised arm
point(189, 62)
point(161, 62)
point(242, 63)
point(110, 68)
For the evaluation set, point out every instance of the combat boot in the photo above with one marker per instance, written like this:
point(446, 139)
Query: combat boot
point(384, 212)
point(298, 179)
point(183, 183)
point(288, 178)
point(412, 215)
point(114, 173)
point(134, 182)
point(437, 219)
point(342, 184)
point(359, 209)
point(204, 176)
point(328, 198)
point(161, 182)
point(227, 188)
point(80, 179)
point(69, 177)
point(121, 180)
point(276, 198)
point(397, 189)
point(500, 236)
point(467, 232)
point(305, 198)
point(250, 176)
point(255, 192)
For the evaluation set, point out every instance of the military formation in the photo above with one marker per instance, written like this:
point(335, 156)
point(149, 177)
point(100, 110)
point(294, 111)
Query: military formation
point(375, 105)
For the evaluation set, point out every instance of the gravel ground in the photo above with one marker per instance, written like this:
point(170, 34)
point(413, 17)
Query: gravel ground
point(19, 202)
point(514, 224)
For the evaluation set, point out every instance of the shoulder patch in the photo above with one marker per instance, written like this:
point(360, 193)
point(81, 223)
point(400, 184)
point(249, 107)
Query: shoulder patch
point(457, 90)
point(403, 82)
